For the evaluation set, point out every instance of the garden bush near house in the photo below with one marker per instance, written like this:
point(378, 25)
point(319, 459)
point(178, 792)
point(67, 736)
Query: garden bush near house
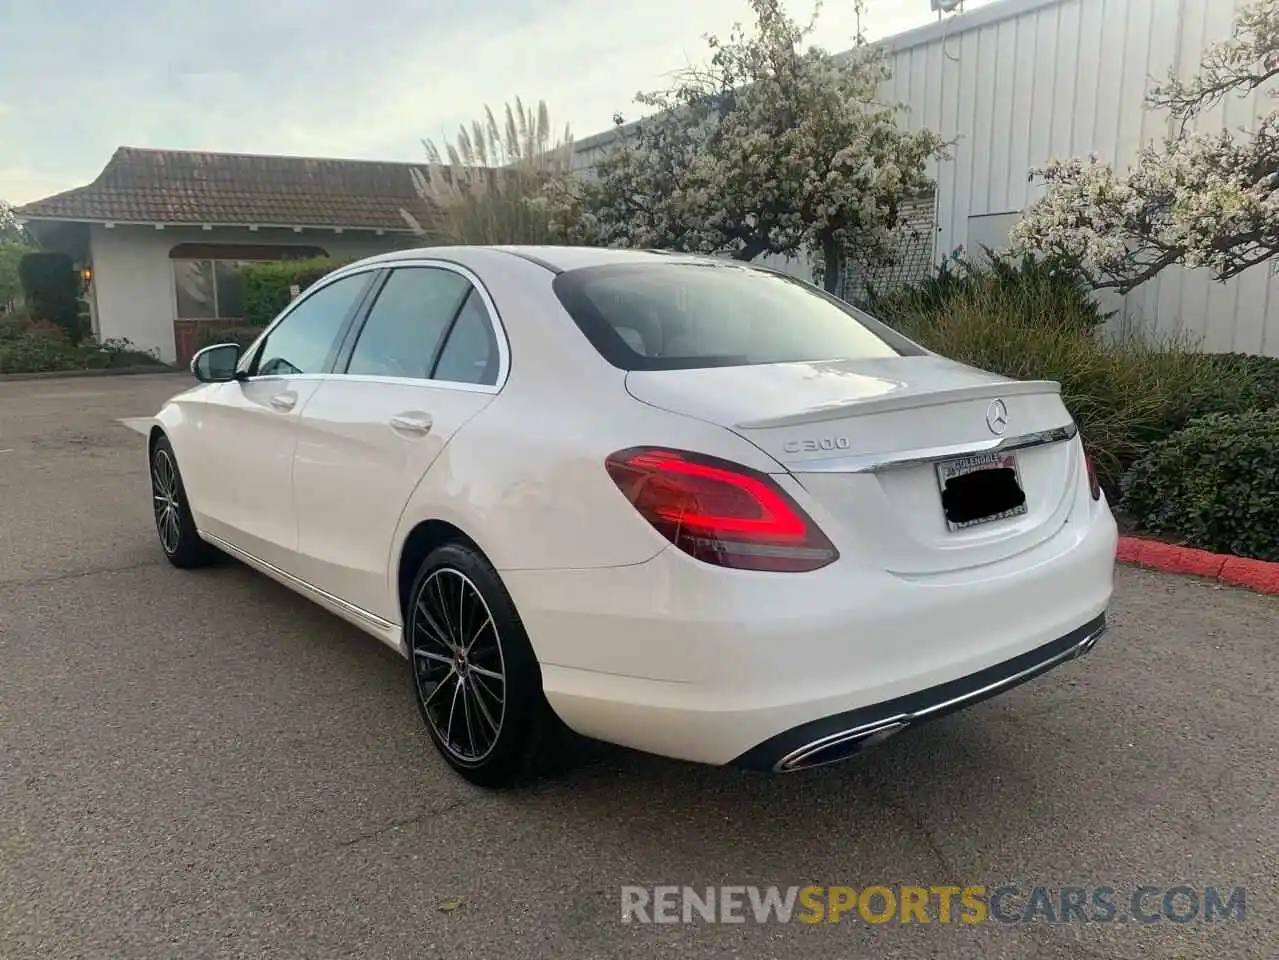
point(267, 285)
point(37, 346)
point(1213, 484)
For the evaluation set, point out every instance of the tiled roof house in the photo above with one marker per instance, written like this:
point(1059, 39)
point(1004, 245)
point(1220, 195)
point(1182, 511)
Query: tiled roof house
point(160, 233)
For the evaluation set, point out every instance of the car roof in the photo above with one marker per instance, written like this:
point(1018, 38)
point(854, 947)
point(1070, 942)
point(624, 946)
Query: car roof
point(573, 258)
point(556, 258)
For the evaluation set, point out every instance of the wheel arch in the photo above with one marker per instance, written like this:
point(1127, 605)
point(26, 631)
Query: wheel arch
point(424, 537)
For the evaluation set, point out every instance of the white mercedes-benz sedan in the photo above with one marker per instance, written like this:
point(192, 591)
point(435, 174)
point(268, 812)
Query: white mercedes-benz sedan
point(682, 504)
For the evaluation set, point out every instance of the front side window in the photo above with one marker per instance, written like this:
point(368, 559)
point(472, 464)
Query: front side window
point(670, 316)
point(408, 322)
point(306, 340)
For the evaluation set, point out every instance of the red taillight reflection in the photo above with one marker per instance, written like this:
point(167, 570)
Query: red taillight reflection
point(720, 512)
point(1094, 485)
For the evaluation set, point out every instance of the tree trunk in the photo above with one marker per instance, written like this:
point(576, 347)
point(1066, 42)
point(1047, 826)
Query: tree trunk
point(832, 265)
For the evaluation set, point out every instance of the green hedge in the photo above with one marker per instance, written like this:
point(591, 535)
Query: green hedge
point(1238, 383)
point(267, 285)
point(1213, 485)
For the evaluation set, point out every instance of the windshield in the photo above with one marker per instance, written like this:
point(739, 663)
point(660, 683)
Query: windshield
point(663, 316)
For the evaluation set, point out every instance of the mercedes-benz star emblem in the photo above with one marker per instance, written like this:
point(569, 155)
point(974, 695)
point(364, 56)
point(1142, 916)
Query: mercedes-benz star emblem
point(997, 417)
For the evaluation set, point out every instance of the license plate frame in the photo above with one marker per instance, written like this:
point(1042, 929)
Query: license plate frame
point(947, 470)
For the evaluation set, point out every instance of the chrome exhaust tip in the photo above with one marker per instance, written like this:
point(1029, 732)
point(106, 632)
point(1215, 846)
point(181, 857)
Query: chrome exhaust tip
point(1090, 641)
point(839, 746)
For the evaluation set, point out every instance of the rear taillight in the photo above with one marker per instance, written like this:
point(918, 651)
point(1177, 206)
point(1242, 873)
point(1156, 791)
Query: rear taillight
point(720, 512)
point(1094, 485)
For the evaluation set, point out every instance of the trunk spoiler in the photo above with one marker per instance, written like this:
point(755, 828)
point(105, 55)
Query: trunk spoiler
point(903, 401)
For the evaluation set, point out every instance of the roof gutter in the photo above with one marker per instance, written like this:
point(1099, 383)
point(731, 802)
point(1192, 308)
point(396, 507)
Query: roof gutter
point(297, 228)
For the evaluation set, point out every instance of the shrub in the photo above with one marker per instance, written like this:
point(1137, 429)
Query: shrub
point(1118, 393)
point(19, 323)
point(1241, 383)
point(37, 346)
point(1214, 484)
point(267, 285)
point(1040, 290)
point(35, 353)
point(52, 290)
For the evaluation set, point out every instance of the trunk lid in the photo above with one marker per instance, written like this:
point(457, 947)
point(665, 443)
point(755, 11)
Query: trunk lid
point(865, 437)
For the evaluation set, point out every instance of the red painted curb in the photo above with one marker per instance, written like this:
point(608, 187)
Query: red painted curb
point(1258, 575)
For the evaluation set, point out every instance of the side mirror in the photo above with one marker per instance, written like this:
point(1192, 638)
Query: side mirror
point(216, 364)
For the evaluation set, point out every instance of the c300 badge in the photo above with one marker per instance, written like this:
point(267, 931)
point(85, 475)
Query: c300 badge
point(817, 445)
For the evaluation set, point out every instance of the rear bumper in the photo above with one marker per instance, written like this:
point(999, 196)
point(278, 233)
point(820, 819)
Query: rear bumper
point(836, 738)
point(685, 660)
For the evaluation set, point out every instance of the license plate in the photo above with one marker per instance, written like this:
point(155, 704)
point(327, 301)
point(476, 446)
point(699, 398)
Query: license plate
point(980, 489)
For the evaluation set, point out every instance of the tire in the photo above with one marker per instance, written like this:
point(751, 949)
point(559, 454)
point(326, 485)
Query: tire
point(174, 524)
point(459, 663)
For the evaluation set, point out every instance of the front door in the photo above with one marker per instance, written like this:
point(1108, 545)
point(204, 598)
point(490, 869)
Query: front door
point(248, 428)
point(425, 361)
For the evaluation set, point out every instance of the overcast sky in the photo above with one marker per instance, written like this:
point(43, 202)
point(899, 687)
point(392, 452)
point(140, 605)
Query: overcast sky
point(339, 78)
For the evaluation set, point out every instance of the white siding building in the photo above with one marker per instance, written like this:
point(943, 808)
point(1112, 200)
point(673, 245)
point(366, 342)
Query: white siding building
point(1020, 82)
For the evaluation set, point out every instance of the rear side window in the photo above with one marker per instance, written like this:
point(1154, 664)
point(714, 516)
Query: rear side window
point(470, 353)
point(408, 323)
point(670, 316)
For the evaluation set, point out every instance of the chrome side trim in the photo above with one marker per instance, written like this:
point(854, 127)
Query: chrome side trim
point(887, 726)
point(875, 462)
point(296, 582)
point(415, 381)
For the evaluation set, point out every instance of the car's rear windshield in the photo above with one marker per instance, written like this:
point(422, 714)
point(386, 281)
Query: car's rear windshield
point(686, 315)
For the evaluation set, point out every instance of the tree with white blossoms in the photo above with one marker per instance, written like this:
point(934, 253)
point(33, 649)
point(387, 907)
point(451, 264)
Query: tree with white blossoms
point(771, 148)
point(1201, 200)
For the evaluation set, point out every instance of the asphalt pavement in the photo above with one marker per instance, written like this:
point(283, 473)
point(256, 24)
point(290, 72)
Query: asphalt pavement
point(206, 765)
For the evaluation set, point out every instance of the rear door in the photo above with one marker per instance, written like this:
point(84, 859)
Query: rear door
point(245, 433)
point(427, 358)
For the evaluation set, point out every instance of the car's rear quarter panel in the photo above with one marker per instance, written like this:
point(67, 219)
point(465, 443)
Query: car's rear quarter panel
point(525, 479)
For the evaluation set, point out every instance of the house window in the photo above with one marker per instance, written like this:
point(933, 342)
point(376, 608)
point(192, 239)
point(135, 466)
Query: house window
point(208, 279)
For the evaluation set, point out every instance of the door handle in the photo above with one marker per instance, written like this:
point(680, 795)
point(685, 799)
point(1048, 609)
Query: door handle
point(284, 402)
point(412, 423)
